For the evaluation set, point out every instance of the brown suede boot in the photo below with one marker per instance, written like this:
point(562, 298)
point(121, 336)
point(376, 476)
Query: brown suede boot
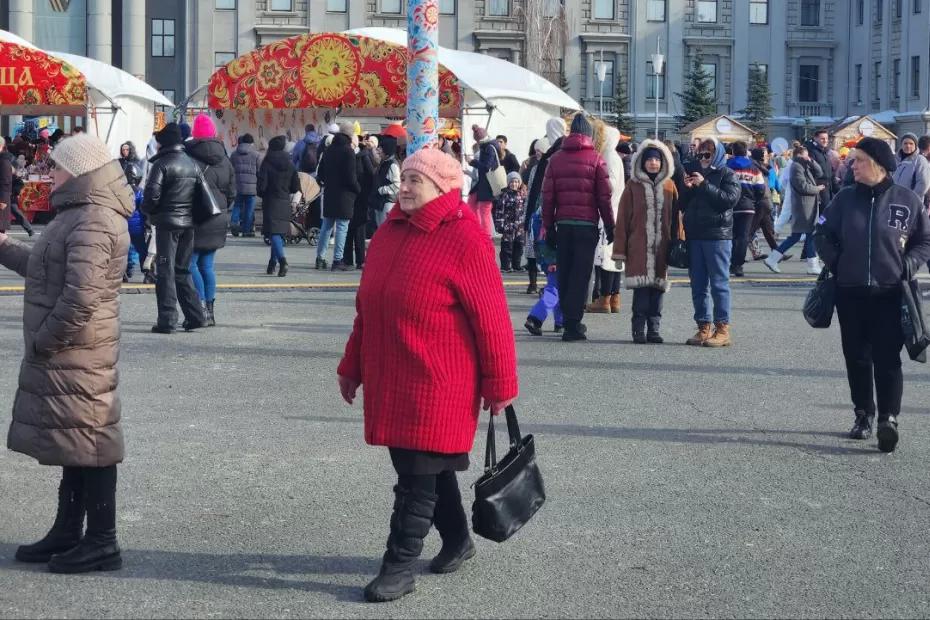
point(600, 306)
point(615, 303)
point(721, 337)
point(703, 334)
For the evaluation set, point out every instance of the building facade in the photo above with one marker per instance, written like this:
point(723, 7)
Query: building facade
point(827, 59)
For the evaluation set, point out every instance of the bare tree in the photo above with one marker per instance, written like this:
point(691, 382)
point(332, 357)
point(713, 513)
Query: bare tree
point(545, 23)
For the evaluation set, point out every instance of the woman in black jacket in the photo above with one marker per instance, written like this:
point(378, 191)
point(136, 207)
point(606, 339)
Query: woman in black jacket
point(207, 150)
point(277, 180)
point(355, 240)
point(338, 173)
point(872, 237)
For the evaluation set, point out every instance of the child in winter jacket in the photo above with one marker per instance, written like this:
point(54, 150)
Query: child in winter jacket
point(549, 299)
point(508, 214)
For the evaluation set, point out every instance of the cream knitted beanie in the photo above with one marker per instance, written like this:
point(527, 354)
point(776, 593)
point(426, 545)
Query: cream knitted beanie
point(81, 154)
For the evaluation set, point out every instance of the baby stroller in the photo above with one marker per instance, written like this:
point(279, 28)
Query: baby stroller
point(305, 213)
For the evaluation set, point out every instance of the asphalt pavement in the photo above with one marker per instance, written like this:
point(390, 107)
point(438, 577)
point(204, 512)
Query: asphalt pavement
point(682, 482)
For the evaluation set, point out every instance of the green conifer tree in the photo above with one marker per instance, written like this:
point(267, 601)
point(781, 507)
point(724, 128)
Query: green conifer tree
point(699, 99)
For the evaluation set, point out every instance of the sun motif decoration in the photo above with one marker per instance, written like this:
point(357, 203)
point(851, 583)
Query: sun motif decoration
point(330, 67)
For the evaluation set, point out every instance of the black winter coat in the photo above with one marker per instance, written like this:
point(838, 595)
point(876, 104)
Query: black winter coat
point(366, 180)
point(277, 180)
point(868, 235)
point(219, 173)
point(709, 208)
point(339, 172)
point(170, 189)
point(826, 176)
point(6, 189)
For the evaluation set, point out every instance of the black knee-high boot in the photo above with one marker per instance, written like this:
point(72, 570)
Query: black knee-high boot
point(98, 550)
point(69, 521)
point(410, 523)
point(452, 524)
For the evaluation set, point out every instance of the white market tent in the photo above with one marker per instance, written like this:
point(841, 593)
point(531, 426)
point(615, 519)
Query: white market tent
point(120, 106)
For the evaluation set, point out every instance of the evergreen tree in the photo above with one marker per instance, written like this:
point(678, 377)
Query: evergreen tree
point(698, 100)
point(623, 122)
point(759, 108)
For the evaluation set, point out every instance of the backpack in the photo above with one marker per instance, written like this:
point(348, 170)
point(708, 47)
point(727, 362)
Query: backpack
point(308, 159)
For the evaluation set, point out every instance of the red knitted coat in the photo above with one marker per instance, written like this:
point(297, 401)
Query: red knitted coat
point(433, 332)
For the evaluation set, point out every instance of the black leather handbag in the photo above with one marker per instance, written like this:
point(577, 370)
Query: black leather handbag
point(205, 206)
point(820, 301)
point(511, 490)
point(678, 254)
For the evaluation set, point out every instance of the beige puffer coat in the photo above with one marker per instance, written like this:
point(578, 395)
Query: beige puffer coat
point(66, 410)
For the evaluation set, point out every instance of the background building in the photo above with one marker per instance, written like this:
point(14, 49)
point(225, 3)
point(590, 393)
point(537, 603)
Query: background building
point(826, 59)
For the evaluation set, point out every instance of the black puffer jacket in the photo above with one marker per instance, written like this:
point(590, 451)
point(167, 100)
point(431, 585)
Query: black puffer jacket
point(709, 208)
point(277, 180)
point(823, 173)
point(219, 173)
point(170, 189)
point(867, 235)
point(366, 180)
point(339, 173)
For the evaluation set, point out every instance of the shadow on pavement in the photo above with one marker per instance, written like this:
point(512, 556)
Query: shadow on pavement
point(232, 569)
point(710, 436)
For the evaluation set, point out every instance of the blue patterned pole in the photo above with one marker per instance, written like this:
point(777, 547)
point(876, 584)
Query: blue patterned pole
point(422, 73)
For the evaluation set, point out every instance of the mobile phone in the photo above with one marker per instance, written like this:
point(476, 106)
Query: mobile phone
point(691, 167)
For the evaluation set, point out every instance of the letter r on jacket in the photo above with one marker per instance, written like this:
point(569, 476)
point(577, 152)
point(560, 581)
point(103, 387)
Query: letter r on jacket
point(899, 218)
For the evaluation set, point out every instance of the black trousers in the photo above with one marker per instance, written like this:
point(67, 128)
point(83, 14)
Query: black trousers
point(354, 252)
point(96, 486)
point(17, 216)
point(763, 220)
point(575, 255)
point(647, 308)
point(742, 227)
point(411, 467)
point(610, 282)
point(511, 253)
point(870, 328)
point(173, 283)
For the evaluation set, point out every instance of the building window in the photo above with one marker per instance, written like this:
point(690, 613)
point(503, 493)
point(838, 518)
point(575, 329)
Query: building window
point(221, 59)
point(758, 11)
point(896, 78)
point(860, 12)
point(810, 12)
point(336, 6)
point(858, 84)
point(876, 78)
point(898, 9)
point(655, 11)
point(707, 11)
point(711, 70)
point(608, 78)
point(390, 6)
point(879, 11)
point(551, 8)
point(809, 84)
point(915, 77)
point(281, 5)
point(225, 5)
point(917, 7)
point(163, 38)
point(655, 84)
point(499, 8)
point(169, 94)
point(604, 9)
point(447, 7)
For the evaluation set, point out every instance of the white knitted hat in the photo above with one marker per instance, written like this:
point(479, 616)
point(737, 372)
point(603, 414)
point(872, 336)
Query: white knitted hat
point(81, 154)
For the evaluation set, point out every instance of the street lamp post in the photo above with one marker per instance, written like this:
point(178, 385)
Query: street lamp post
point(601, 76)
point(658, 64)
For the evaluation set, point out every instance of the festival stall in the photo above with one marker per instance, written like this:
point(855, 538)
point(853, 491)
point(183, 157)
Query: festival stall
point(849, 131)
point(722, 128)
point(362, 74)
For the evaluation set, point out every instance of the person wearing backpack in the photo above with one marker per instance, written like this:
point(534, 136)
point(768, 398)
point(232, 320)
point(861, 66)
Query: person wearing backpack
point(304, 154)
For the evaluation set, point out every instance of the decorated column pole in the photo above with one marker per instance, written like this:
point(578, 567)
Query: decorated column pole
point(422, 73)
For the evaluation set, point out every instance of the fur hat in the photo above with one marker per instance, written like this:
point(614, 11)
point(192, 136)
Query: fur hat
point(479, 133)
point(81, 154)
point(879, 151)
point(203, 127)
point(169, 135)
point(438, 167)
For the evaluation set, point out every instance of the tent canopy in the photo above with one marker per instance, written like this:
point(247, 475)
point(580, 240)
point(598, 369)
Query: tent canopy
point(109, 81)
point(33, 82)
point(325, 70)
point(489, 77)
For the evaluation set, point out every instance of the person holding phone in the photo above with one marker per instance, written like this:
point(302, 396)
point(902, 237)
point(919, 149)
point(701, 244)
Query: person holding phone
point(67, 411)
point(710, 192)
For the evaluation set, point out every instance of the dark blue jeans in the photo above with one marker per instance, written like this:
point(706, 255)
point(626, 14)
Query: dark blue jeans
point(793, 238)
point(277, 248)
point(243, 214)
point(710, 279)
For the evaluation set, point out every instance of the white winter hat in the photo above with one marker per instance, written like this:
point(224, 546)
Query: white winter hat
point(555, 129)
point(81, 154)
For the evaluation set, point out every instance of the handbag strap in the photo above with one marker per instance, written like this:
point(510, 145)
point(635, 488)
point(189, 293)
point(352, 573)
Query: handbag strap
point(490, 451)
point(513, 429)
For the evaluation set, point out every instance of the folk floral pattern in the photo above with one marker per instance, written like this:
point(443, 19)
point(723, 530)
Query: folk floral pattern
point(424, 99)
point(327, 70)
point(31, 77)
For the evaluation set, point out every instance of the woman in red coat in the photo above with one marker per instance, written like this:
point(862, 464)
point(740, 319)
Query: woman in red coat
point(432, 339)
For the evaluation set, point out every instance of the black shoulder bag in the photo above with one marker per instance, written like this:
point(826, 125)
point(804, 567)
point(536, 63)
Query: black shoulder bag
point(820, 301)
point(677, 254)
point(205, 206)
point(510, 491)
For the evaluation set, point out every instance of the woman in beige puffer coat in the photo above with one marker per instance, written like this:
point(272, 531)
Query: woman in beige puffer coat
point(67, 411)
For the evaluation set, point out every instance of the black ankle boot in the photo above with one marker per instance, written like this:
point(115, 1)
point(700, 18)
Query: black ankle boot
point(211, 318)
point(452, 524)
point(639, 330)
point(69, 522)
point(887, 433)
point(282, 268)
point(652, 332)
point(410, 523)
point(862, 429)
point(533, 325)
point(98, 550)
point(271, 265)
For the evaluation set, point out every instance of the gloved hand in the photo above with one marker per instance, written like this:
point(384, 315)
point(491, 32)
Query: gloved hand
point(620, 264)
point(610, 236)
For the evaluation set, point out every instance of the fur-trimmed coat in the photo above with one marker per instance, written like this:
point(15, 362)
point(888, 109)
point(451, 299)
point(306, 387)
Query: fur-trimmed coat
point(602, 256)
point(644, 223)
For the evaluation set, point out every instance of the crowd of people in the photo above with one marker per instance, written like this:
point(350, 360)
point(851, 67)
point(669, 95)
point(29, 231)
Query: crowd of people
point(583, 207)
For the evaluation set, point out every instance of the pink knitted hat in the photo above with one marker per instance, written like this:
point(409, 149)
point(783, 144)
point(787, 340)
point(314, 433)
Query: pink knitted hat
point(203, 127)
point(438, 167)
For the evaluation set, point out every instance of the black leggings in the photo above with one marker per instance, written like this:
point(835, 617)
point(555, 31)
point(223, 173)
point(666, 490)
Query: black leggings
point(870, 329)
point(97, 487)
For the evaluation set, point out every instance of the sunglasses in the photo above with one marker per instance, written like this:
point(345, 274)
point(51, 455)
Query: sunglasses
point(705, 155)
